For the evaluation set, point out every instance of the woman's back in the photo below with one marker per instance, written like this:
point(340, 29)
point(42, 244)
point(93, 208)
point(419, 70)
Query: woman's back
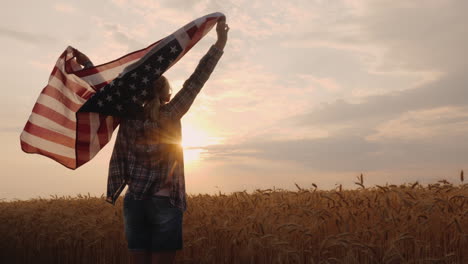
point(149, 153)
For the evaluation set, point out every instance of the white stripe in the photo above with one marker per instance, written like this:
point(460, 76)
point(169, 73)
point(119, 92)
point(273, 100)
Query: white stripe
point(46, 145)
point(199, 21)
point(182, 37)
point(208, 28)
point(46, 123)
point(110, 127)
point(61, 66)
point(57, 106)
point(93, 79)
point(58, 84)
point(94, 146)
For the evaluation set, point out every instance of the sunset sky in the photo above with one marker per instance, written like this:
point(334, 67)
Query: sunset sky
point(306, 91)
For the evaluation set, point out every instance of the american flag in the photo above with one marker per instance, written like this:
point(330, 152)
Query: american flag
point(77, 112)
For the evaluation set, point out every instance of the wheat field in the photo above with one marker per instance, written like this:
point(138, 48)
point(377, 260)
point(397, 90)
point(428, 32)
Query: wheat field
point(409, 223)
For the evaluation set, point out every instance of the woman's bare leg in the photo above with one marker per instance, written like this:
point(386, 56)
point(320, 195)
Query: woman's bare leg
point(163, 257)
point(140, 257)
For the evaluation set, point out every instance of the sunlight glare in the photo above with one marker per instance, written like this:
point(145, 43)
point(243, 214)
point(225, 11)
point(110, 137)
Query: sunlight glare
point(193, 140)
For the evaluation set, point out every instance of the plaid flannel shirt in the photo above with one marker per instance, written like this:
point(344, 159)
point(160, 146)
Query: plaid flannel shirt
point(146, 154)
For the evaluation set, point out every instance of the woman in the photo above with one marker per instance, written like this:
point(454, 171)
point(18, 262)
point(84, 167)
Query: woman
point(148, 157)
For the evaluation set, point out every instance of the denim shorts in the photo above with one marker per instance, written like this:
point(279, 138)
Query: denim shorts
point(153, 224)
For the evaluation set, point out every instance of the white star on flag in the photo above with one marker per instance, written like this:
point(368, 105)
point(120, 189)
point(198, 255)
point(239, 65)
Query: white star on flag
point(100, 103)
point(173, 49)
point(134, 99)
point(145, 80)
point(134, 75)
point(109, 98)
point(160, 58)
point(158, 71)
point(132, 86)
point(147, 67)
point(119, 107)
point(143, 93)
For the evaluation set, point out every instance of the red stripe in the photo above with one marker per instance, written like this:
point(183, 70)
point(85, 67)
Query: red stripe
point(102, 131)
point(99, 86)
point(59, 96)
point(83, 138)
point(76, 88)
point(196, 37)
point(83, 129)
point(208, 19)
point(84, 135)
point(49, 135)
point(62, 57)
point(191, 31)
point(66, 161)
point(53, 115)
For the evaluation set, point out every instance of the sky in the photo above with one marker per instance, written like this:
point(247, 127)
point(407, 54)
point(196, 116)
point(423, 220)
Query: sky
point(305, 92)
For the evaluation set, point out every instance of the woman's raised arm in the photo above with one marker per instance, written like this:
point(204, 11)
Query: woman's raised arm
point(182, 101)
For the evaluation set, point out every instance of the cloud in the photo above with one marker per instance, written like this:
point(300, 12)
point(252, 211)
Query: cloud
point(65, 8)
point(449, 90)
point(387, 45)
point(122, 34)
point(156, 13)
point(420, 124)
point(424, 35)
point(423, 42)
point(26, 37)
point(323, 83)
point(443, 142)
point(445, 122)
point(116, 40)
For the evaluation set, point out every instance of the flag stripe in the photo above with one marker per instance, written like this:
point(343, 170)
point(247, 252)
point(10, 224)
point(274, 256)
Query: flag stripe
point(51, 147)
point(53, 125)
point(54, 116)
point(57, 106)
point(50, 135)
point(102, 131)
point(94, 126)
point(83, 138)
point(66, 90)
point(77, 88)
point(66, 161)
point(60, 96)
point(110, 127)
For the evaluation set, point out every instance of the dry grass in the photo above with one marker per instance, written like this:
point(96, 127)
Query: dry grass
point(409, 223)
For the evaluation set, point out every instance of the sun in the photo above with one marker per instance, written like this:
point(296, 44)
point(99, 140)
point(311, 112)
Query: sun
point(194, 139)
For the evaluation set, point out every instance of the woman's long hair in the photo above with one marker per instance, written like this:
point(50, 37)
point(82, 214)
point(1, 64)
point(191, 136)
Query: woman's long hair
point(151, 112)
point(151, 107)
